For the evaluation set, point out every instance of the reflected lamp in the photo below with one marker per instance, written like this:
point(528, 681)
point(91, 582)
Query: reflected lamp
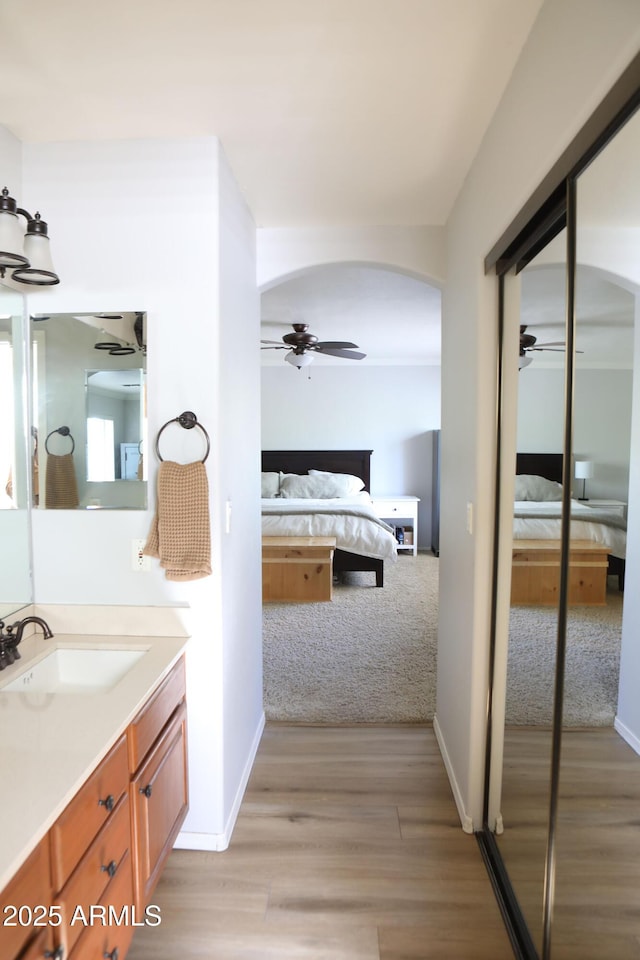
point(583, 471)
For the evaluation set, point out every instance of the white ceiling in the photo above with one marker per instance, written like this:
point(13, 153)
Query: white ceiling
point(331, 112)
point(604, 316)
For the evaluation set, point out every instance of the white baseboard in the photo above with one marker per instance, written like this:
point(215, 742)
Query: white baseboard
point(465, 819)
point(220, 841)
point(627, 735)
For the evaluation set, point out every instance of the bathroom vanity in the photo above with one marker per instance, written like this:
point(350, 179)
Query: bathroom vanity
point(95, 791)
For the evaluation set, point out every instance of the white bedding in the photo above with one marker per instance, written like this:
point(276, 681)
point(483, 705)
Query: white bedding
point(541, 521)
point(350, 520)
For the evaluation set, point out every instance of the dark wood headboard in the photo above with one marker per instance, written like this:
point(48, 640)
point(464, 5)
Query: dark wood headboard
point(548, 465)
point(355, 462)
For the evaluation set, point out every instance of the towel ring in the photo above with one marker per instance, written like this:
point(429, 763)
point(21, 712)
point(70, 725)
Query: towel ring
point(188, 420)
point(64, 432)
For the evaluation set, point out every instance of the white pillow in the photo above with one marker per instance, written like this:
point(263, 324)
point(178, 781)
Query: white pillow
point(530, 487)
point(350, 483)
point(270, 484)
point(307, 487)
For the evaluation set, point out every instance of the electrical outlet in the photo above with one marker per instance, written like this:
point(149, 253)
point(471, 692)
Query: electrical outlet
point(139, 561)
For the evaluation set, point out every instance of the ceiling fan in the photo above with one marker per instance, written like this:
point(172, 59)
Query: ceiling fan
point(302, 346)
point(529, 344)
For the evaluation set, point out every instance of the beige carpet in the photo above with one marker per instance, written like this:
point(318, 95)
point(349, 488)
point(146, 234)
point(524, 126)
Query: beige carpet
point(367, 656)
point(592, 664)
point(370, 654)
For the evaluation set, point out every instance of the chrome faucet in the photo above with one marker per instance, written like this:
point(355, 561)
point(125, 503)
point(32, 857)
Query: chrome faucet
point(10, 638)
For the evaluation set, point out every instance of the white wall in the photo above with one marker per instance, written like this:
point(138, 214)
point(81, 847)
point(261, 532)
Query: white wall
point(628, 715)
point(160, 226)
point(15, 565)
point(602, 423)
point(285, 251)
point(390, 410)
point(575, 52)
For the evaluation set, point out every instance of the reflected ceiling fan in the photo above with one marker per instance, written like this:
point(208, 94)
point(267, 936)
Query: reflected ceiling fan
point(529, 344)
point(302, 346)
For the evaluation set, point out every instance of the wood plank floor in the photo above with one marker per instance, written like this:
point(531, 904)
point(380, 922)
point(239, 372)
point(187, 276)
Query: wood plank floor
point(597, 891)
point(347, 847)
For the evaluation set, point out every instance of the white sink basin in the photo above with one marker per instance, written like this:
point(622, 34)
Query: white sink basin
point(75, 670)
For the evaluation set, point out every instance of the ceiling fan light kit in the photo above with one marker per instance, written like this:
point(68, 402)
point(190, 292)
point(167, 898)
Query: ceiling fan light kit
point(529, 343)
point(299, 359)
point(303, 345)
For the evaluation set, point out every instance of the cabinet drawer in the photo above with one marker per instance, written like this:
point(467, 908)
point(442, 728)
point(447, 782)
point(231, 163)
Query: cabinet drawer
point(104, 859)
point(159, 802)
point(29, 888)
point(106, 938)
point(86, 814)
point(394, 508)
point(38, 948)
point(147, 726)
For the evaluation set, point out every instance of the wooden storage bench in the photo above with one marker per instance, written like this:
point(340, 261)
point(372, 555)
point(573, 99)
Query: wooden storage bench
point(535, 574)
point(297, 569)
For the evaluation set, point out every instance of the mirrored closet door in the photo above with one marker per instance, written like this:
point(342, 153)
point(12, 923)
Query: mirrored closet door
point(596, 904)
point(562, 836)
point(534, 594)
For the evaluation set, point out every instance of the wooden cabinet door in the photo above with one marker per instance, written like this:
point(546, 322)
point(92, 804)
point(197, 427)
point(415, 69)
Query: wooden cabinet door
point(30, 890)
point(159, 802)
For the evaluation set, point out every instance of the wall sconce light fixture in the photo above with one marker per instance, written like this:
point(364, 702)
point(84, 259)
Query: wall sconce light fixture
point(25, 255)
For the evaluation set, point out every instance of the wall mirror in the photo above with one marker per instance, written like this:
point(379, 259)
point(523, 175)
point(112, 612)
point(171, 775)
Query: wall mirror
point(89, 409)
point(538, 423)
point(561, 835)
point(15, 483)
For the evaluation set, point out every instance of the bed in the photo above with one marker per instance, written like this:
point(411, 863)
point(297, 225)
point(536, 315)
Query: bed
point(363, 541)
point(540, 519)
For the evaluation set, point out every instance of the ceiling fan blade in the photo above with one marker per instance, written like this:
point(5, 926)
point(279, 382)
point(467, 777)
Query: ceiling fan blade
point(279, 342)
point(278, 346)
point(333, 344)
point(550, 349)
point(552, 343)
point(345, 354)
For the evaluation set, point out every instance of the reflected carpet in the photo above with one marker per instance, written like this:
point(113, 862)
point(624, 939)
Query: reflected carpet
point(592, 663)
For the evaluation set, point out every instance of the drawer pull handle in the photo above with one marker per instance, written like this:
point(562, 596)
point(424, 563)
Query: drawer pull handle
point(146, 790)
point(111, 956)
point(57, 954)
point(109, 803)
point(110, 868)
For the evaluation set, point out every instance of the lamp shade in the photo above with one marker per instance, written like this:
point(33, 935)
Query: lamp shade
point(40, 271)
point(11, 241)
point(299, 359)
point(583, 469)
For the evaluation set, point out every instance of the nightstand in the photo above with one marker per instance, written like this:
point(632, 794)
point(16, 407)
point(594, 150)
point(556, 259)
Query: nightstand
point(617, 507)
point(400, 511)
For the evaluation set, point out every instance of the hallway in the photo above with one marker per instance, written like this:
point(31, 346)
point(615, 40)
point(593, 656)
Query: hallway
point(347, 847)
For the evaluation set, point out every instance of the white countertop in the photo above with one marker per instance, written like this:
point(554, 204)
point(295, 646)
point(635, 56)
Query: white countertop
point(50, 743)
